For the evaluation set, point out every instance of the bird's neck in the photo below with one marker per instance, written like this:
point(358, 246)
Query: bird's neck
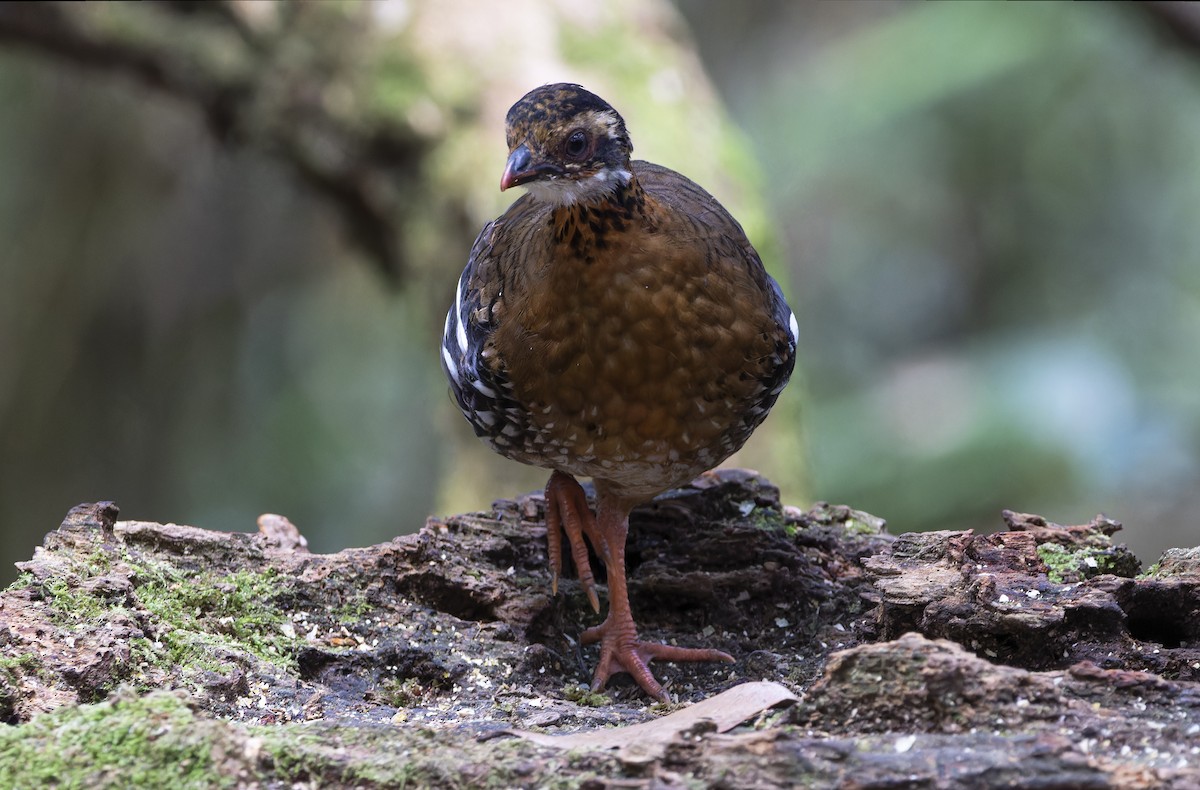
point(584, 226)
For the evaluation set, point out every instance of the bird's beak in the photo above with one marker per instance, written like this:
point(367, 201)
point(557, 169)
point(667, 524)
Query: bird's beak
point(521, 169)
point(516, 171)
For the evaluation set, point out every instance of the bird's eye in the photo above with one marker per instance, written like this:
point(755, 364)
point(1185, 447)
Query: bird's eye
point(576, 146)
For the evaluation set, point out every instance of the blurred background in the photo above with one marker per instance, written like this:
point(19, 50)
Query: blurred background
point(229, 232)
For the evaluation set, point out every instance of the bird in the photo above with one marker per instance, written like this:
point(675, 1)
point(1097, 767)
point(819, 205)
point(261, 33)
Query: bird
point(616, 323)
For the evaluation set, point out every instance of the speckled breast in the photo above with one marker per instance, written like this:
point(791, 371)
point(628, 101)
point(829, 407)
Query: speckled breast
point(620, 353)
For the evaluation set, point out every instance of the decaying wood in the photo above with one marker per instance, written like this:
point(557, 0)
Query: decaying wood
point(1036, 656)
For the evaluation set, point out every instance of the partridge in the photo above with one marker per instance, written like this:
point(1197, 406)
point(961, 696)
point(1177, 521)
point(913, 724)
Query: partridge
point(615, 323)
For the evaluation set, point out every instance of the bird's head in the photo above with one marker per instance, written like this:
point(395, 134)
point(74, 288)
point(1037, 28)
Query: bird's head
point(566, 145)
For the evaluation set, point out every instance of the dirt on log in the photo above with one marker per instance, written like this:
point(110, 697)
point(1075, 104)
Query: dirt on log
point(141, 654)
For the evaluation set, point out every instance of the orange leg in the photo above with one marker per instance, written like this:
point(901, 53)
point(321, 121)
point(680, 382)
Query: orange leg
point(620, 649)
point(567, 512)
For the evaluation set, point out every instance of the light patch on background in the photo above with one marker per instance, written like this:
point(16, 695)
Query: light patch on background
point(1076, 394)
point(930, 405)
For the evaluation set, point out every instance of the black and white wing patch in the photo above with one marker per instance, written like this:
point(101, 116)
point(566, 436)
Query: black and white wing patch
point(477, 378)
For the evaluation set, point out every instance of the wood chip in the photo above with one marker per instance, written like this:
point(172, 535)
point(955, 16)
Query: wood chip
point(648, 741)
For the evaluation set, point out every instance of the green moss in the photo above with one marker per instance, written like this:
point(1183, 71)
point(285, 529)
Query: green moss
point(401, 693)
point(156, 741)
point(1175, 562)
point(769, 519)
point(583, 695)
point(1065, 565)
point(12, 670)
point(859, 522)
point(202, 611)
point(25, 662)
point(356, 756)
point(353, 610)
point(71, 605)
point(26, 579)
point(191, 612)
point(151, 741)
point(324, 754)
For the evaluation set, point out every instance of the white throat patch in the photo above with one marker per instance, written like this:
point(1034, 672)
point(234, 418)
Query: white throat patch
point(565, 191)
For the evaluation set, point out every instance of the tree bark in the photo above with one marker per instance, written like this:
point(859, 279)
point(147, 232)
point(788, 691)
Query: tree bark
point(1032, 657)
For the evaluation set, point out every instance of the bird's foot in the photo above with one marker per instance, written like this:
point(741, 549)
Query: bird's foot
point(567, 512)
point(622, 651)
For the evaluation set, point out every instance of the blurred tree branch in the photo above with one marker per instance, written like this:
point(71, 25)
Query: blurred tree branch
point(1181, 21)
point(266, 76)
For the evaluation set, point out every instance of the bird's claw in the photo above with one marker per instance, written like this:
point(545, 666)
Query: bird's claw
point(622, 651)
point(567, 512)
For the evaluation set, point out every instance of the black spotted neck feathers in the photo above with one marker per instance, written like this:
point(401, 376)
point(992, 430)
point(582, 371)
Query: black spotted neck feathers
point(584, 228)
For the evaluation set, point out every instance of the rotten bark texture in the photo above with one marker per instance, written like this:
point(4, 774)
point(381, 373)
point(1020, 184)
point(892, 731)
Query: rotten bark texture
point(1034, 657)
